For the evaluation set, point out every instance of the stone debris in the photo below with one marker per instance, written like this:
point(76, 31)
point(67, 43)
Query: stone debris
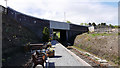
point(102, 61)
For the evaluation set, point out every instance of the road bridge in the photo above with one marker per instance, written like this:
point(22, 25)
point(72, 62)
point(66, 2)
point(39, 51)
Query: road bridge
point(68, 31)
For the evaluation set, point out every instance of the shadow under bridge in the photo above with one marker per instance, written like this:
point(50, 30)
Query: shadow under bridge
point(59, 31)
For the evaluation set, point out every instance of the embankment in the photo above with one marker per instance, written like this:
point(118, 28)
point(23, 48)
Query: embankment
point(102, 45)
point(14, 37)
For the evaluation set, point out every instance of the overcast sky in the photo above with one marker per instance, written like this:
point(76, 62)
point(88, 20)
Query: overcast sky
point(75, 11)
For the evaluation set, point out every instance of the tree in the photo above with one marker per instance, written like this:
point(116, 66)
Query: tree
point(93, 24)
point(45, 36)
point(85, 23)
point(110, 25)
point(68, 22)
point(98, 24)
point(81, 23)
point(103, 24)
point(116, 26)
point(89, 24)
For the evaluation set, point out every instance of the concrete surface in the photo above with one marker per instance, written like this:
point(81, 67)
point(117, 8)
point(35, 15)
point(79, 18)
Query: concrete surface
point(64, 58)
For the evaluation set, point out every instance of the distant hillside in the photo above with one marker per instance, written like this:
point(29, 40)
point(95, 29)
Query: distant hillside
point(101, 44)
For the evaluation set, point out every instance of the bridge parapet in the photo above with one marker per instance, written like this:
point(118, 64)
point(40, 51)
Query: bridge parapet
point(59, 25)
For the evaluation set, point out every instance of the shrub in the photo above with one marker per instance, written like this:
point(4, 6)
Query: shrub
point(118, 33)
point(87, 54)
point(88, 39)
point(3, 60)
point(80, 45)
point(45, 36)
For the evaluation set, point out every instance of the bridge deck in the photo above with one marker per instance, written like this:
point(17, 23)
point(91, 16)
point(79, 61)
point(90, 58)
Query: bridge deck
point(64, 57)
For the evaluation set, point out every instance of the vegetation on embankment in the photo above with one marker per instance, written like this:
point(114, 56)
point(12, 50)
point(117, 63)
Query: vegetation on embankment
point(103, 45)
point(14, 37)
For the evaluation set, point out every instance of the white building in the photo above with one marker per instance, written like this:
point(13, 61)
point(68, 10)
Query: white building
point(91, 28)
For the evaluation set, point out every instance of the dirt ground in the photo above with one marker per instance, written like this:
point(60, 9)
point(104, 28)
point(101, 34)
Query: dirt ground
point(102, 45)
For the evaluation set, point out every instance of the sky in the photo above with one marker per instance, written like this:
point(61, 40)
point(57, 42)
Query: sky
point(75, 11)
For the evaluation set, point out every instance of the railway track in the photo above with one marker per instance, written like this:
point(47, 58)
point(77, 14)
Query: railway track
point(90, 61)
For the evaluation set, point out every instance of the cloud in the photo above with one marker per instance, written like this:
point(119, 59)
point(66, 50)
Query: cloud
point(76, 11)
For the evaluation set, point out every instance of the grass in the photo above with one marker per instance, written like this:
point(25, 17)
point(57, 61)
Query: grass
point(80, 45)
point(88, 47)
point(58, 34)
point(96, 59)
point(117, 61)
point(78, 48)
point(100, 34)
point(85, 51)
point(87, 54)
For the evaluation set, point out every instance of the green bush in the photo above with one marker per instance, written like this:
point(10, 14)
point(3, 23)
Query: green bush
point(80, 45)
point(118, 33)
point(88, 39)
point(87, 54)
point(45, 36)
point(3, 60)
